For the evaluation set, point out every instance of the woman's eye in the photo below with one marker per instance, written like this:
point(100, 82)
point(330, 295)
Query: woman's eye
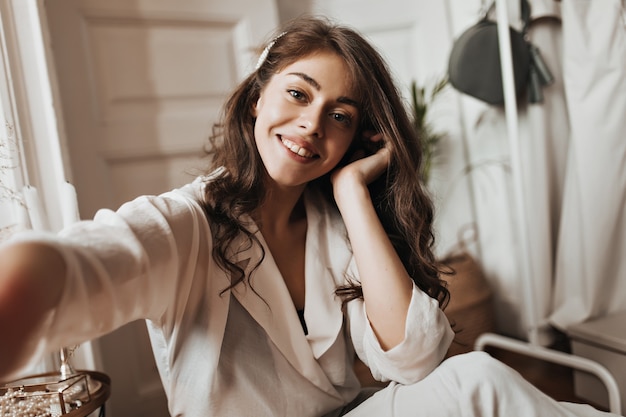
point(298, 95)
point(341, 118)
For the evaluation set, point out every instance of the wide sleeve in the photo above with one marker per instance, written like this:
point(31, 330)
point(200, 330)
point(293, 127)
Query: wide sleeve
point(138, 262)
point(427, 337)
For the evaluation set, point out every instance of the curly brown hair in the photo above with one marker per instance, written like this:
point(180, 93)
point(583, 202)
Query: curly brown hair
point(401, 201)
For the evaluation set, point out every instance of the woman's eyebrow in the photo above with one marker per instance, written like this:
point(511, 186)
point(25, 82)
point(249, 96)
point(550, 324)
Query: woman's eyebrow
point(307, 79)
point(317, 86)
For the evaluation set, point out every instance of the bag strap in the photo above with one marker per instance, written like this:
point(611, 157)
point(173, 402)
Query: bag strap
point(524, 13)
point(485, 10)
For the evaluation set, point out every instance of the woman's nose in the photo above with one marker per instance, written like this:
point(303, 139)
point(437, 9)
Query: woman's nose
point(311, 121)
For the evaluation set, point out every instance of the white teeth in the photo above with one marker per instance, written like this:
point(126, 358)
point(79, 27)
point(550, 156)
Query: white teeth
point(296, 149)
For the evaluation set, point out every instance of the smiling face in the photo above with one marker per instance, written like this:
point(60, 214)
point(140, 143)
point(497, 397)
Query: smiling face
point(306, 119)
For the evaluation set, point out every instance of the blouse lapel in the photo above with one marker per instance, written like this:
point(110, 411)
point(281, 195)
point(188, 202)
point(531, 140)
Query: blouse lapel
point(327, 259)
point(281, 321)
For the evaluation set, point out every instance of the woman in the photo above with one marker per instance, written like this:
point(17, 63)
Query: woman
point(309, 241)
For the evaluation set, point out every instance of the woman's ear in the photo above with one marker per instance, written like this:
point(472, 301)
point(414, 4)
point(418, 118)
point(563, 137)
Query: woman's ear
point(256, 106)
point(372, 141)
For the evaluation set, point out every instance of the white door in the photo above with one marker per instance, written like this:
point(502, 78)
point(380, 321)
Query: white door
point(140, 85)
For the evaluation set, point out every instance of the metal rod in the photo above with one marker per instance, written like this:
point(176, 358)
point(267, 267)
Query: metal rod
point(557, 357)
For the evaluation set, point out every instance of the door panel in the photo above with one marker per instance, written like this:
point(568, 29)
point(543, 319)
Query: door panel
point(140, 85)
point(143, 82)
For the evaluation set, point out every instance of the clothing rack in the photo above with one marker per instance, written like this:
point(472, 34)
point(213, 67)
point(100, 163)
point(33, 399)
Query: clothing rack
point(532, 347)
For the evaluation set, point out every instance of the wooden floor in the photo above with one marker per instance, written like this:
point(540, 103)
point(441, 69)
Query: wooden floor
point(555, 380)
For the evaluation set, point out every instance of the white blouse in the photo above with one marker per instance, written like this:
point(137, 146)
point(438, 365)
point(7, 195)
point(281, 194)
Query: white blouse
point(231, 352)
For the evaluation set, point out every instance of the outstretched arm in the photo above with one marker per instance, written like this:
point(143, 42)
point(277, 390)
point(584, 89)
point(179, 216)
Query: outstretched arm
point(31, 282)
point(387, 287)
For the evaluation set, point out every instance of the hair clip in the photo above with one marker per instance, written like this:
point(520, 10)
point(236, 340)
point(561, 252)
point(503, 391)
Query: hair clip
point(266, 51)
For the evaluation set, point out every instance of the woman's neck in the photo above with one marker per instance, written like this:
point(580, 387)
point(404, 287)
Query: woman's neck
point(283, 224)
point(280, 210)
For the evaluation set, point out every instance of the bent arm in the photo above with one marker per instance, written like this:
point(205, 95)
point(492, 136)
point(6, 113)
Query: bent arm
point(386, 284)
point(427, 338)
point(95, 276)
point(387, 287)
point(31, 283)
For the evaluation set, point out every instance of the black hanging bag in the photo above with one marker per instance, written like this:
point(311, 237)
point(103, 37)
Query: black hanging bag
point(474, 63)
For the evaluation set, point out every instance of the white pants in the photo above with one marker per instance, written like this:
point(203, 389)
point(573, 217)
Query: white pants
point(469, 385)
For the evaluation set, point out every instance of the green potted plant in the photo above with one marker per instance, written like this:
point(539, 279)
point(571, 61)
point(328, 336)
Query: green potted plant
point(429, 138)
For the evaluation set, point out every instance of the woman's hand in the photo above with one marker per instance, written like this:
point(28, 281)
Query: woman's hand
point(362, 169)
point(30, 285)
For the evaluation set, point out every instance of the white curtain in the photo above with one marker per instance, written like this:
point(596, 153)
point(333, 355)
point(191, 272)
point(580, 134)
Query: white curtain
point(590, 274)
point(573, 158)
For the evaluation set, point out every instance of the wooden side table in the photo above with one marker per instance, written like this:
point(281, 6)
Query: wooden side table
point(98, 397)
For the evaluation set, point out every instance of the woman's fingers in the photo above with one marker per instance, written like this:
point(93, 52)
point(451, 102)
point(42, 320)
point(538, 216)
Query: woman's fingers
point(372, 136)
point(365, 168)
point(377, 164)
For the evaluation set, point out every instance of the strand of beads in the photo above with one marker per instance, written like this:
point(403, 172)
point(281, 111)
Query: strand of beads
point(18, 403)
